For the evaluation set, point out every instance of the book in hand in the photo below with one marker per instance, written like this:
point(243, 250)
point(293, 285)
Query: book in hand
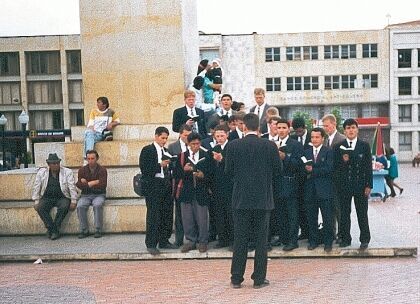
point(195, 118)
point(306, 162)
point(283, 148)
point(217, 149)
point(195, 164)
point(345, 150)
point(168, 156)
point(224, 117)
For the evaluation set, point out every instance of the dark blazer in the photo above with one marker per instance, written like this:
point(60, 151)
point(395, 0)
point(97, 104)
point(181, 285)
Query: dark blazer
point(252, 163)
point(215, 118)
point(267, 136)
point(206, 143)
point(180, 116)
point(338, 138)
point(233, 135)
point(307, 140)
point(200, 192)
point(355, 175)
point(222, 184)
point(263, 120)
point(318, 183)
point(292, 168)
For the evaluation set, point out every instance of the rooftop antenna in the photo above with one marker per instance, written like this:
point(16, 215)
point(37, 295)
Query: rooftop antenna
point(388, 16)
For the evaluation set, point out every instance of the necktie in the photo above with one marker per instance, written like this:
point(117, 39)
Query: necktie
point(165, 170)
point(329, 141)
point(194, 125)
point(350, 143)
point(258, 111)
point(315, 154)
point(281, 142)
point(193, 157)
point(301, 139)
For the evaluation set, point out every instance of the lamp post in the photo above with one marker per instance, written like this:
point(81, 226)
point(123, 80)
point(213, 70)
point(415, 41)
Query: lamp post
point(24, 119)
point(3, 121)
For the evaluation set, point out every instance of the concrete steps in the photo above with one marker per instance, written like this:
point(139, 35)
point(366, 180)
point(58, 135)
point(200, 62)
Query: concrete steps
point(125, 215)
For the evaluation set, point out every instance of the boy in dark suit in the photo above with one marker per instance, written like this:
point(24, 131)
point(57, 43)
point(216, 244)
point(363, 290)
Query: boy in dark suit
point(189, 115)
point(193, 171)
point(158, 191)
point(318, 189)
point(353, 177)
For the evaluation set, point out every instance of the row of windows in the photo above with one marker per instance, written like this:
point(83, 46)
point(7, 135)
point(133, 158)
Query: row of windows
point(405, 113)
point(405, 86)
point(312, 82)
point(405, 141)
point(344, 51)
point(404, 58)
point(40, 63)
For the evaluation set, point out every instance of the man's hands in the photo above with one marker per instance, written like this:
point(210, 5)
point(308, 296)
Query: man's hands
point(346, 157)
point(217, 156)
point(91, 183)
point(367, 191)
point(282, 155)
point(165, 163)
point(308, 168)
point(73, 205)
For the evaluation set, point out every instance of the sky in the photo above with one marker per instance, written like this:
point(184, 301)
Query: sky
point(53, 17)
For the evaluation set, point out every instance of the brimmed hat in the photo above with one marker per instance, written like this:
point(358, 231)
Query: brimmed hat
point(53, 158)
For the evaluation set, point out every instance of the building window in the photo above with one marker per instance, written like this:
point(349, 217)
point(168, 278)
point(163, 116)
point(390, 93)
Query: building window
point(404, 58)
point(370, 50)
point(43, 63)
point(347, 81)
point(404, 113)
point(75, 91)
point(9, 93)
point(46, 120)
point(77, 118)
point(404, 85)
point(370, 110)
point(348, 51)
point(74, 62)
point(331, 52)
point(9, 64)
point(310, 53)
point(272, 54)
point(370, 81)
point(310, 83)
point(273, 84)
point(404, 140)
point(294, 83)
point(332, 82)
point(45, 92)
point(348, 111)
point(294, 53)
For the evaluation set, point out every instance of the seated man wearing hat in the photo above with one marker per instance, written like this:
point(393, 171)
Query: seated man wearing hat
point(54, 187)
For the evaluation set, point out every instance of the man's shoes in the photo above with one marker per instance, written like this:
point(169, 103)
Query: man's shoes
point(55, 235)
point(221, 245)
point(338, 240)
point(290, 247)
point(167, 245)
point(345, 244)
point(98, 234)
point(401, 190)
point(202, 247)
point(83, 234)
point(261, 285)
point(312, 247)
point(179, 243)
point(153, 251)
point(303, 236)
point(187, 247)
point(235, 285)
point(364, 246)
point(269, 248)
point(275, 241)
point(328, 248)
point(230, 248)
point(48, 234)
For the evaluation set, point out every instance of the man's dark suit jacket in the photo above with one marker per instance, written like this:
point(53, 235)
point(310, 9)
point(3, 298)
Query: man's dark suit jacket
point(188, 192)
point(338, 138)
point(263, 120)
point(180, 117)
point(222, 183)
point(233, 135)
point(355, 175)
point(206, 143)
point(307, 140)
point(252, 162)
point(149, 166)
point(318, 183)
point(292, 168)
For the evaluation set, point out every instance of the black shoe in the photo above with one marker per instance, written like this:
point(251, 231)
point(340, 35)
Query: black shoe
point(290, 247)
point(167, 245)
point(328, 248)
point(153, 251)
point(230, 248)
point(312, 247)
point(303, 236)
point(364, 246)
point(55, 236)
point(98, 234)
point(345, 244)
point(83, 234)
point(179, 243)
point(269, 248)
point(339, 240)
point(401, 190)
point(251, 246)
point(261, 285)
point(236, 285)
point(48, 234)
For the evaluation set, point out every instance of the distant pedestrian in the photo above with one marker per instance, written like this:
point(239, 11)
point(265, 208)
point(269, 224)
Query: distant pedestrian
point(392, 171)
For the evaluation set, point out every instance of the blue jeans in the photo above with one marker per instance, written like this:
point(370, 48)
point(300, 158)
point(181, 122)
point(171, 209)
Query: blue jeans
point(91, 137)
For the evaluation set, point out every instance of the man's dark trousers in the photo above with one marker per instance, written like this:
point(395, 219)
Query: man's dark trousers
point(242, 219)
point(361, 204)
point(44, 209)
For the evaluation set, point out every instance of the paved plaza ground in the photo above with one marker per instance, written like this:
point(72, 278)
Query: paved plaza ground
point(395, 223)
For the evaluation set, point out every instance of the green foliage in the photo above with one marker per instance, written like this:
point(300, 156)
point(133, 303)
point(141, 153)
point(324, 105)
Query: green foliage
point(337, 114)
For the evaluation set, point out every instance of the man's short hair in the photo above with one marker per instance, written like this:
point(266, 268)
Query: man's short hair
point(330, 117)
point(104, 100)
point(274, 118)
point(318, 129)
point(252, 121)
point(273, 111)
point(188, 93)
point(193, 136)
point(222, 127)
point(284, 121)
point(232, 118)
point(239, 116)
point(258, 91)
point(160, 130)
point(92, 152)
point(226, 95)
point(298, 122)
point(184, 127)
point(350, 122)
point(198, 82)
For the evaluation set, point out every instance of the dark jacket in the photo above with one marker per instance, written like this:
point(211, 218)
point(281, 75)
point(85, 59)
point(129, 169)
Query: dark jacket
point(263, 120)
point(292, 168)
point(252, 163)
point(99, 173)
point(318, 183)
point(222, 184)
point(180, 117)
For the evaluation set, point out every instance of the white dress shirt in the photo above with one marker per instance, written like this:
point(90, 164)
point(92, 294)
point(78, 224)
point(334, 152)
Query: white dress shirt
point(159, 154)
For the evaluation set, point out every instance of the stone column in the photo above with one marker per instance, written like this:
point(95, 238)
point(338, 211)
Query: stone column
point(141, 54)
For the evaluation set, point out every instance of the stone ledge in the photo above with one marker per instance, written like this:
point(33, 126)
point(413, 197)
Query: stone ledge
point(216, 254)
point(20, 218)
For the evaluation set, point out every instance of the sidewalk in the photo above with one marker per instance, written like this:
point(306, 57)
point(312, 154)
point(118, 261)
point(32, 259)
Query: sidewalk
point(394, 228)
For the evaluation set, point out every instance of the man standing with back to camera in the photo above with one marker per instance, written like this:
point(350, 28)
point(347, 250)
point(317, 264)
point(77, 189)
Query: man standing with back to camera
point(247, 161)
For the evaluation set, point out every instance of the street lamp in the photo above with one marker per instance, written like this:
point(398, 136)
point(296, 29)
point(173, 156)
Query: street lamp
point(24, 119)
point(3, 121)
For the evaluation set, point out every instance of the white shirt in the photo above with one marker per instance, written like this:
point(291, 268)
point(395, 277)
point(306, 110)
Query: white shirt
point(159, 154)
point(183, 146)
point(353, 142)
point(284, 140)
point(240, 133)
point(316, 151)
point(331, 138)
point(252, 133)
point(193, 112)
point(303, 137)
point(273, 138)
point(223, 146)
point(261, 107)
point(224, 112)
point(196, 155)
